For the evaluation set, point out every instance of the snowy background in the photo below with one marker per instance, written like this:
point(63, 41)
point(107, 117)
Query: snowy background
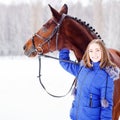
point(23, 98)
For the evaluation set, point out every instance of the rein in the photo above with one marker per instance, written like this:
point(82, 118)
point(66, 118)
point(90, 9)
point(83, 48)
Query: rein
point(39, 76)
point(47, 40)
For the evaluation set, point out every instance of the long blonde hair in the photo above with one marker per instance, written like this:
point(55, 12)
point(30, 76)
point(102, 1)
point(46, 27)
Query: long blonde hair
point(105, 58)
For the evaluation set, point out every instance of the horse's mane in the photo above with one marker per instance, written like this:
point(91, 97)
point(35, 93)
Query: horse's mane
point(87, 26)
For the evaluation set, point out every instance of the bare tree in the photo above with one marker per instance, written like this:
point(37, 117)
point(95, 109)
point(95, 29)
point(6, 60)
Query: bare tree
point(113, 24)
point(98, 18)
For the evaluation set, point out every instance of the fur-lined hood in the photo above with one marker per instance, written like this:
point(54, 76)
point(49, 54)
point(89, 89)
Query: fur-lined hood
point(114, 72)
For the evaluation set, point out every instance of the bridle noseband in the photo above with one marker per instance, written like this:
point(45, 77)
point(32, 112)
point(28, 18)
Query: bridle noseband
point(49, 38)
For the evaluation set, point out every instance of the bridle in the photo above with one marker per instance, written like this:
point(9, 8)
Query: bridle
point(47, 41)
point(49, 38)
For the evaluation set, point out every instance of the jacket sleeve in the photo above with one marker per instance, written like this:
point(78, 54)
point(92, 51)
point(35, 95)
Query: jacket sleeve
point(71, 66)
point(107, 102)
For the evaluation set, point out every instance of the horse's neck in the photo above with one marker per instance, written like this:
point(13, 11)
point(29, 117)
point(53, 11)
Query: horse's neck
point(77, 40)
point(76, 36)
point(79, 50)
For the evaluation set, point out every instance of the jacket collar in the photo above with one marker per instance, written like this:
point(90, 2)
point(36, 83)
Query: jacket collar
point(95, 65)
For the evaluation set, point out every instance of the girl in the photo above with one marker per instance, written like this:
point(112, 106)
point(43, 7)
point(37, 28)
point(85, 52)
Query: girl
point(95, 82)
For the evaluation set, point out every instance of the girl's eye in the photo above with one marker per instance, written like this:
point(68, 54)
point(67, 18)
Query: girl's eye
point(97, 50)
point(90, 51)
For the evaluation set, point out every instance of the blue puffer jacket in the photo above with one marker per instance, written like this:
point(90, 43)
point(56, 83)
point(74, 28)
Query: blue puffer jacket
point(91, 90)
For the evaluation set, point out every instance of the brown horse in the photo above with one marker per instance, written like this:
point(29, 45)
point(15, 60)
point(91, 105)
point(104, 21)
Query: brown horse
point(64, 31)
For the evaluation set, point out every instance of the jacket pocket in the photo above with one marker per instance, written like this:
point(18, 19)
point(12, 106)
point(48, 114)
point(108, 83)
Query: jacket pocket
point(92, 113)
point(93, 101)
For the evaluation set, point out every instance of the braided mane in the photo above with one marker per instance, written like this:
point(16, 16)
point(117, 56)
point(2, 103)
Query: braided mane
point(87, 26)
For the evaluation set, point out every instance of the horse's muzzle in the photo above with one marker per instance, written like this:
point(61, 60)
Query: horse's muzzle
point(31, 52)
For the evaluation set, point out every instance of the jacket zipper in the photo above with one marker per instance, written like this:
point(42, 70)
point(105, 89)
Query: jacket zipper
point(90, 104)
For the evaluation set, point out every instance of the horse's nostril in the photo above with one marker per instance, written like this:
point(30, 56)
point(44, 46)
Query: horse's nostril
point(24, 47)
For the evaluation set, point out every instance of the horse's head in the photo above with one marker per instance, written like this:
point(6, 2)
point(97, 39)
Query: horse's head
point(46, 39)
point(61, 31)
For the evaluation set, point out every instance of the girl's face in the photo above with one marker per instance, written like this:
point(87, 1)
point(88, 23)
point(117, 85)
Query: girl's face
point(94, 52)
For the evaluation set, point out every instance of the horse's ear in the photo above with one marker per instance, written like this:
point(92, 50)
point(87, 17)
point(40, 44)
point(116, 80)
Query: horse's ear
point(55, 13)
point(64, 9)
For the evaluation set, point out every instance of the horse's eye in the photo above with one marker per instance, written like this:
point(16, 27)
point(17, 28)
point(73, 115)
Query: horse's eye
point(44, 29)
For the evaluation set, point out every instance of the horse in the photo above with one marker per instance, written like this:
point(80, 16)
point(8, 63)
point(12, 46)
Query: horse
point(65, 31)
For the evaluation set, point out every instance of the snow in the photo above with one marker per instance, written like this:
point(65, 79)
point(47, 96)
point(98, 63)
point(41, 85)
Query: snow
point(23, 98)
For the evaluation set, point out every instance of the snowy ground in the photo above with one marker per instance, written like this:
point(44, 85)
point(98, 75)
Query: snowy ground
point(22, 97)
